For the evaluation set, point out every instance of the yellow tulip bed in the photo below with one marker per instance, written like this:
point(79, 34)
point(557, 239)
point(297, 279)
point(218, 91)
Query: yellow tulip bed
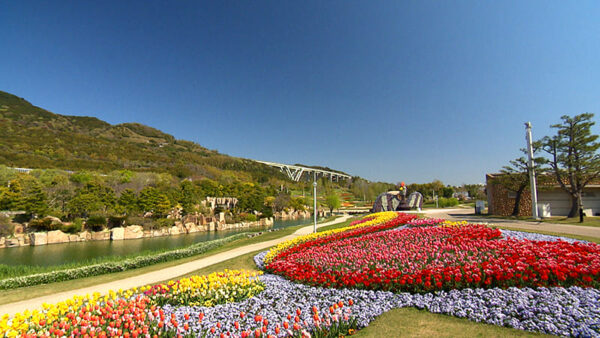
point(217, 288)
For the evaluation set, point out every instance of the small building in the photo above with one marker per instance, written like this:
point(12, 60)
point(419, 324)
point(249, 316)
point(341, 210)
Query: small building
point(461, 195)
point(220, 202)
point(501, 201)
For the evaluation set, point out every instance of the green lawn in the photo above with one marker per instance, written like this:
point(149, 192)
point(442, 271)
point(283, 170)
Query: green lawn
point(411, 322)
point(591, 221)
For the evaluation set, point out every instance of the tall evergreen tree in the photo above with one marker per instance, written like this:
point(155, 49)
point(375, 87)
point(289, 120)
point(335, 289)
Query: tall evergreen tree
point(573, 156)
point(10, 198)
point(162, 206)
point(83, 204)
point(189, 196)
point(34, 199)
point(147, 199)
point(127, 202)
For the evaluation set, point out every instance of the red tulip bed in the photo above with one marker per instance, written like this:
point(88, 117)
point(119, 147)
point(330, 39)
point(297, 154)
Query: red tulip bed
point(436, 258)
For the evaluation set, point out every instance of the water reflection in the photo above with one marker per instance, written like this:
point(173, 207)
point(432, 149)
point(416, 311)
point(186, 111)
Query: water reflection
point(56, 254)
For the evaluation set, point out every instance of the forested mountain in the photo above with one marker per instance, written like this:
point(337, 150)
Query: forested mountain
point(33, 137)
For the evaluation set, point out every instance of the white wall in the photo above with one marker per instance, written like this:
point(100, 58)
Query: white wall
point(560, 202)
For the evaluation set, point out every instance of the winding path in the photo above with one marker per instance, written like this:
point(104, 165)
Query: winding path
point(158, 275)
point(463, 214)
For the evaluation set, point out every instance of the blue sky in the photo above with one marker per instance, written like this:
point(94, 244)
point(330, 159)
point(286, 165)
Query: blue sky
point(392, 91)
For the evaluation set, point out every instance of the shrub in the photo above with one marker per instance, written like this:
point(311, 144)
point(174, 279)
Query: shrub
point(241, 217)
point(165, 222)
point(44, 224)
point(250, 217)
point(231, 218)
point(267, 212)
point(6, 227)
point(116, 221)
point(96, 223)
point(134, 220)
point(147, 223)
point(72, 228)
point(22, 218)
point(78, 222)
point(447, 202)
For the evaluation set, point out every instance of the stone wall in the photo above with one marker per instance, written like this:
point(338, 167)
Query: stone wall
point(502, 202)
point(196, 224)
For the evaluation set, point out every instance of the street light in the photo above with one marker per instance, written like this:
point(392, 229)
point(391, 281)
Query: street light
point(315, 201)
point(531, 168)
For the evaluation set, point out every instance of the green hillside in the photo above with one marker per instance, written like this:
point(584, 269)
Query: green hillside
point(33, 137)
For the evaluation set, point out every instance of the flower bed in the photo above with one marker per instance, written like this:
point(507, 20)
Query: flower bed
point(370, 223)
point(216, 288)
point(441, 258)
point(135, 312)
point(432, 222)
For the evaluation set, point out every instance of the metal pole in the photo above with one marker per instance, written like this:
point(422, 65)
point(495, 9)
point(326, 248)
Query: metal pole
point(531, 168)
point(315, 201)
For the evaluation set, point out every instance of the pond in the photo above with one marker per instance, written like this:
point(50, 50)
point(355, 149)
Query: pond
point(57, 254)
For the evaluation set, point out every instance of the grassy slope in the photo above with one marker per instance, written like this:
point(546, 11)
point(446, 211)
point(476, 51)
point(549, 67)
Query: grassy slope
point(33, 137)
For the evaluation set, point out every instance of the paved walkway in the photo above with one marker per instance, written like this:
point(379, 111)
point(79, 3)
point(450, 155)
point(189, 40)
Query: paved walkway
point(468, 215)
point(158, 275)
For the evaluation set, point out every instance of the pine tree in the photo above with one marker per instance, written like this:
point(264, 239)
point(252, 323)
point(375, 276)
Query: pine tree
point(573, 156)
point(34, 198)
point(128, 201)
point(10, 198)
point(162, 206)
point(147, 199)
point(189, 196)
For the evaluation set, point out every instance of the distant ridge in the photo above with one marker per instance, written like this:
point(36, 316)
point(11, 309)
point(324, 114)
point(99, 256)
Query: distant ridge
point(33, 137)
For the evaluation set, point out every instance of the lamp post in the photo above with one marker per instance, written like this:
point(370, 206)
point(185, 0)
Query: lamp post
point(531, 168)
point(315, 201)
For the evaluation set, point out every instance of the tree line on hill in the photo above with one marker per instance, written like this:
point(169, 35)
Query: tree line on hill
point(123, 194)
point(146, 198)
